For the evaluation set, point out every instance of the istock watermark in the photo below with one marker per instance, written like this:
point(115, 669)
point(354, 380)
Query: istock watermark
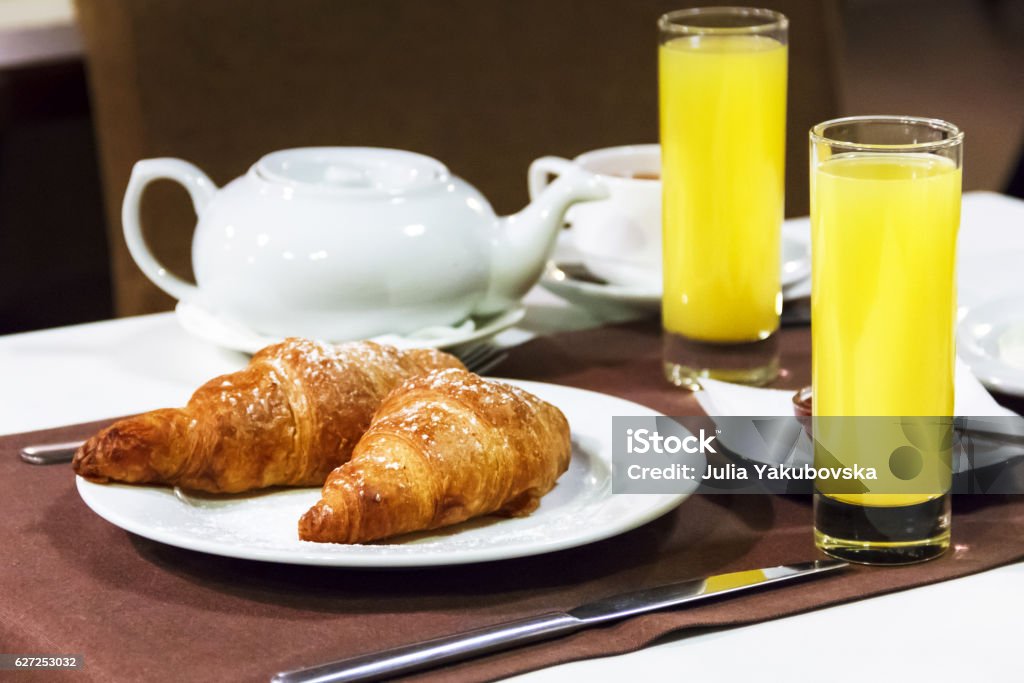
point(834, 455)
point(640, 441)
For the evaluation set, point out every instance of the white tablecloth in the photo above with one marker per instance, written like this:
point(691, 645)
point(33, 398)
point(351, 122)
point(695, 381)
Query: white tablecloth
point(963, 628)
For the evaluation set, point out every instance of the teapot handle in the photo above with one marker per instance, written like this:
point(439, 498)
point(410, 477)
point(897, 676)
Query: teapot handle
point(200, 188)
point(541, 170)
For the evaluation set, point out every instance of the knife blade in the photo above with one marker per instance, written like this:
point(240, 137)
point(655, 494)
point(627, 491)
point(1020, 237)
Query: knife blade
point(447, 649)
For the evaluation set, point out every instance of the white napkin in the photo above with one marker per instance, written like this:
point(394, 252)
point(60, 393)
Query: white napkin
point(723, 398)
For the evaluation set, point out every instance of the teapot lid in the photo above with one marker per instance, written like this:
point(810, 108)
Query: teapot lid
point(356, 170)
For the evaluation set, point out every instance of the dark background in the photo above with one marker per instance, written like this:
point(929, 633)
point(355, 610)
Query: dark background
point(484, 86)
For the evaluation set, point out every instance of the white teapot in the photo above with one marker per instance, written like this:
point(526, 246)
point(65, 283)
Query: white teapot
point(345, 243)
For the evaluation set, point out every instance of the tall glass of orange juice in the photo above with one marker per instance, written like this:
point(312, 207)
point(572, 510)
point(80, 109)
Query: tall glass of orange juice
point(722, 91)
point(885, 211)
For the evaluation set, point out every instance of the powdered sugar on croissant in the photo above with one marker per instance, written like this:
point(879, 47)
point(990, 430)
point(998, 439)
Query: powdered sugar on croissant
point(443, 448)
point(289, 418)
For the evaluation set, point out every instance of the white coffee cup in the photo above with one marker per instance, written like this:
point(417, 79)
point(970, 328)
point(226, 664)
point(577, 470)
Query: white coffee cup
point(618, 238)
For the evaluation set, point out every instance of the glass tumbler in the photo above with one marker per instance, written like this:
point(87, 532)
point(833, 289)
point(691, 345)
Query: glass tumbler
point(885, 212)
point(722, 91)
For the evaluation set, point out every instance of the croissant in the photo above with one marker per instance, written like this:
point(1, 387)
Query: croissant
point(289, 418)
point(442, 448)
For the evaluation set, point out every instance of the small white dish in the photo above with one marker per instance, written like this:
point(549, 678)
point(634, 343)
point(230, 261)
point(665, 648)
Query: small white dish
point(796, 262)
point(564, 277)
point(572, 282)
point(581, 509)
point(990, 339)
point(231, 334)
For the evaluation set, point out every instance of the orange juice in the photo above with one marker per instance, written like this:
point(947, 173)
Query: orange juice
point(884, 232)
point(723, 110)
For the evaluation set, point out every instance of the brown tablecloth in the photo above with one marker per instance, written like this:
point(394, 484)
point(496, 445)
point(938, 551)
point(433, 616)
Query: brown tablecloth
point(72, 583)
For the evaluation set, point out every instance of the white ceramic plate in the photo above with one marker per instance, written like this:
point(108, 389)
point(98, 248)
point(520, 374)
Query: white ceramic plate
point(580, 509)
point(231, 334)
point(990, 339)
point(796, 266)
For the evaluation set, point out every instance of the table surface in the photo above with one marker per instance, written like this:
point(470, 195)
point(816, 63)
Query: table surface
point(86, 372)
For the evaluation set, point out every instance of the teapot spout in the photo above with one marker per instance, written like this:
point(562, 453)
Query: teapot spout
point(523, 242)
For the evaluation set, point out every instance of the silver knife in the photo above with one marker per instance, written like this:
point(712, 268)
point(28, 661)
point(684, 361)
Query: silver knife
point(430, 653)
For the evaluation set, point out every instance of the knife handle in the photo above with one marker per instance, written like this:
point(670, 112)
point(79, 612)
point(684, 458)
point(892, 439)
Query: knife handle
point(430, 653)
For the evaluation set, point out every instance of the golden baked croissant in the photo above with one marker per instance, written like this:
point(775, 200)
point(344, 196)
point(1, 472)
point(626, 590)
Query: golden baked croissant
point(289, 418)
point(442, 448)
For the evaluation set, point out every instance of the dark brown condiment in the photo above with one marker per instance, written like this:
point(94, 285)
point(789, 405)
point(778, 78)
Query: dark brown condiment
point(802, 402)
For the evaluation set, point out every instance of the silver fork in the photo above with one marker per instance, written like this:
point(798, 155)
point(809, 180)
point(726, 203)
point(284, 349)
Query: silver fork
point(50, 453)
point(479, 358)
